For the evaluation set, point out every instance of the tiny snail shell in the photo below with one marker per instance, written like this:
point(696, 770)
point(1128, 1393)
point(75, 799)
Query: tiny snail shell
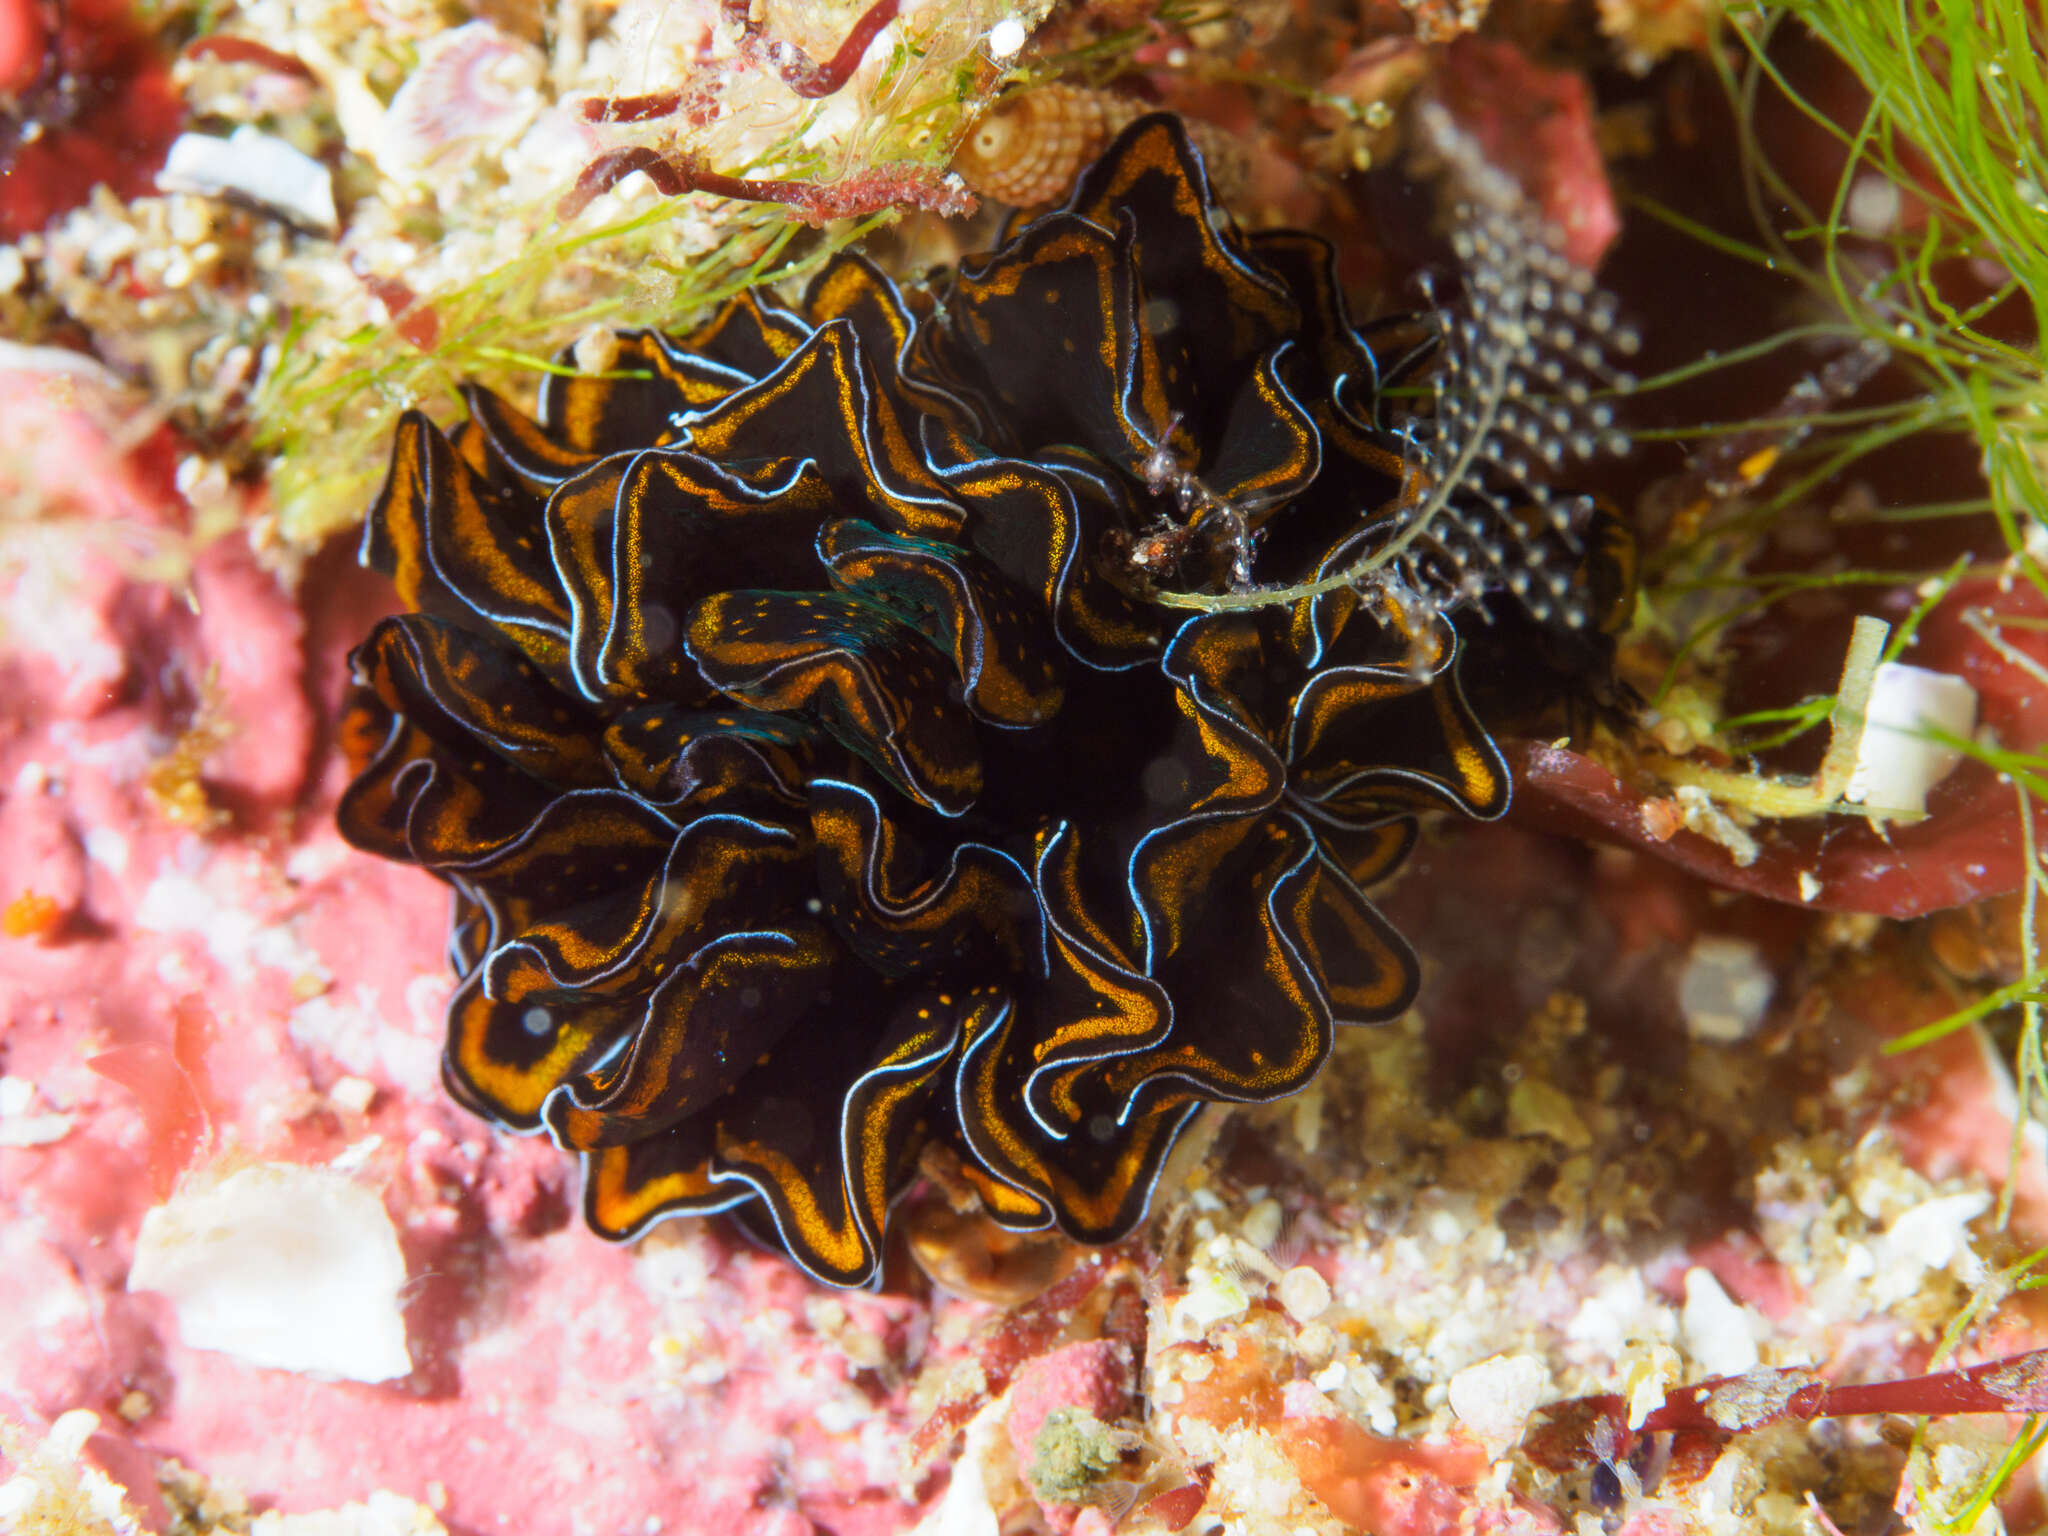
point(1030, 146)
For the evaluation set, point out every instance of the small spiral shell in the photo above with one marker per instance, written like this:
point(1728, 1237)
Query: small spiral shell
point(1029, 148)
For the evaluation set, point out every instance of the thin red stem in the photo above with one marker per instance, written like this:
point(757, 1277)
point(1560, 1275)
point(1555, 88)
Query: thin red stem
point(630, 109)
point(814, 202)
point(1727, 1405)
point(799, 71)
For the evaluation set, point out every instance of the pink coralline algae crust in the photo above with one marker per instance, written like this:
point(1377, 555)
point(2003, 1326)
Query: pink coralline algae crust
point(1094, 1374)
point(205, 1001)
point(1955, 1114)
point(1537, 125)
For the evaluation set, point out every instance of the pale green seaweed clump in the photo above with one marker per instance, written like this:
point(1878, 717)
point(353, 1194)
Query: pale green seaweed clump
point(1943, 175)
point(1929, 257)
point(458, 258)
point(1966, 88)
point(1925, 258)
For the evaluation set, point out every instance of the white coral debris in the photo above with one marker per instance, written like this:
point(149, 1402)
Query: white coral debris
point(1220, 1286)
point(1494, 1398)
point(54, 1490)
point(1718, 1333)
point(1933, 1235)
point(1648, 1371)
point(283, 1266)
point(381, 1514)
point(1698, 813)
point(981, 1475)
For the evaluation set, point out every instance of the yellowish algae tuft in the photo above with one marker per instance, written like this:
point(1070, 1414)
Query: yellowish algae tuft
point(445, 150)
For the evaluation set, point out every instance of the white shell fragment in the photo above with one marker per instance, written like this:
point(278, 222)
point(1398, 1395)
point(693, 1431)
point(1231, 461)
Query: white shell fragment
point(251, 164)
point(283, 1266)
point(1897, 762)
point(1304, 1293)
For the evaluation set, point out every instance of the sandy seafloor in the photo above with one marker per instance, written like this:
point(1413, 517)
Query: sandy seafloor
point(1637, 1132)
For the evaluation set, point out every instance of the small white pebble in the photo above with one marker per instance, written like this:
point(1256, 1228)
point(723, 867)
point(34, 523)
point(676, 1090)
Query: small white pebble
point(356, 1156)
point(1874, 204)
point(106, 848)
point(34, 1130)
point(2037, 540)
point(1317, 1341)
point(1444, 1228)
point(1932, 1235)
point(1005, 38)
point(19, 1128)
point(836, 1416)
point(1304, 1293)
point(1724, 989)
point(189, 218)
point(352, 1095)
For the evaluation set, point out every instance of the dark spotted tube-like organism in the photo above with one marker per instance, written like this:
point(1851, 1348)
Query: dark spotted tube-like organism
point(816, 780)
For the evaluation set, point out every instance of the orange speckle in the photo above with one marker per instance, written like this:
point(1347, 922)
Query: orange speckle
point(31, 915)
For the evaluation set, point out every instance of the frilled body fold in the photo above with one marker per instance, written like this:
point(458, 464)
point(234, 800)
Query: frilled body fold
point(815, 786)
